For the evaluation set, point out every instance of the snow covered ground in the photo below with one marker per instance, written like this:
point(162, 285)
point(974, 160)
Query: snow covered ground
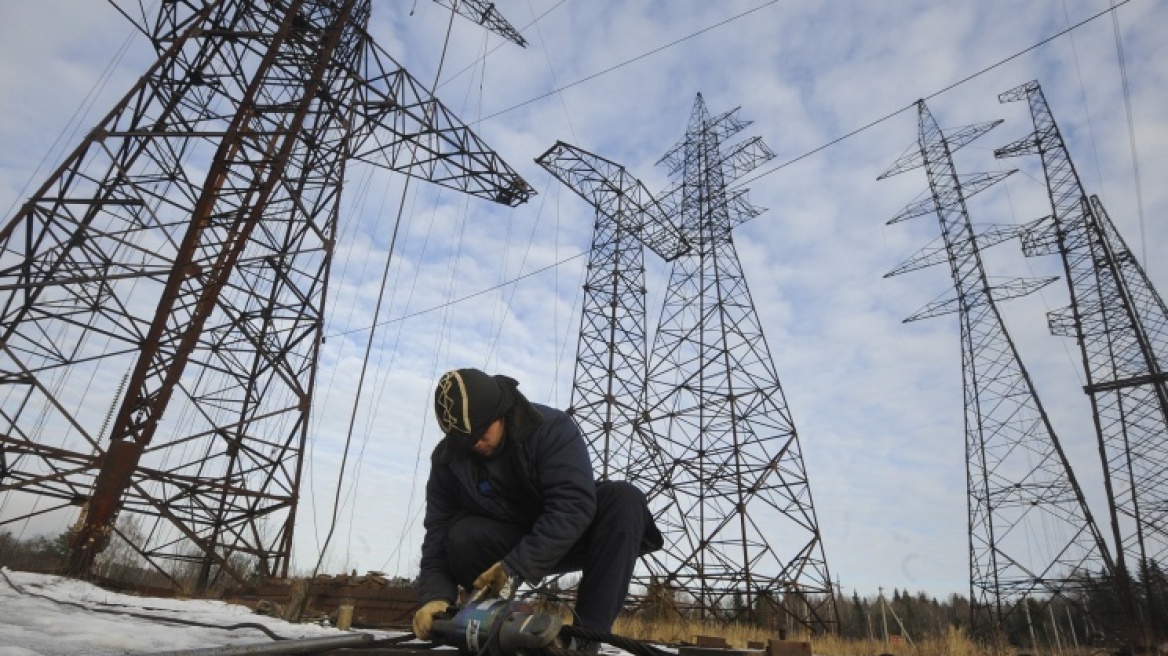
point(79, 618)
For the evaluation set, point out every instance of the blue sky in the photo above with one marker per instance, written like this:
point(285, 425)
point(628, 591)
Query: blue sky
point(877, 403)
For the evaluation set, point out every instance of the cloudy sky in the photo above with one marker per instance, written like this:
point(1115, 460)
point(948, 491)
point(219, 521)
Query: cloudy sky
point(877, 402)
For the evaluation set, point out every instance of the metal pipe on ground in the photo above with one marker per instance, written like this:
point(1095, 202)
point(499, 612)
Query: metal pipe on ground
point(290, 646)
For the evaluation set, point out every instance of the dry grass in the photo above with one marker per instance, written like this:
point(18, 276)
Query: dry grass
point(953, 643)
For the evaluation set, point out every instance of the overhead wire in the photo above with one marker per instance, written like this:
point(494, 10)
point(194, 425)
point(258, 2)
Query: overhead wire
point(462, 299)
point(83, 109)
point(364, 188)
point(1083, 95)
point(501, 306)
point(442, 339)
point(394, 349)
point(1131, 131)
point(70, 129)
point(326, 388)
point(551, 67)
point(630, 61)
point(945, 89)
point(372, 413)
point(376, 312)
point(766, 172)
point(569, 331)
point(482, 59)
point(492, 351)
point(554, 387)
point(411, 515)
point(441, 334)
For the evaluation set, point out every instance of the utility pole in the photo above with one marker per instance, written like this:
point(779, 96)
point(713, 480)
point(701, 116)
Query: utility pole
point(883, 617)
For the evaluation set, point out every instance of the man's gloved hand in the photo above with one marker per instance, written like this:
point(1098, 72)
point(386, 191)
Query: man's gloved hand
point(492, 582)
point(424, 618)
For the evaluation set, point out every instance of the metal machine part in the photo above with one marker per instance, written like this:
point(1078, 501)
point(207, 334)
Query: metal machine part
point(497, 627)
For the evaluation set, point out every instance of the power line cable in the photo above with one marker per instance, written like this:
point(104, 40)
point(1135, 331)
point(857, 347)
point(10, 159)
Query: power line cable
point(73, 124)
point(410, 514)
point(1131, 133)
point(461, 299)
point(931, 96)
point(483, 58)
point(393, 351)
point(630, 61)
point(376, 311)
point(1086, 104)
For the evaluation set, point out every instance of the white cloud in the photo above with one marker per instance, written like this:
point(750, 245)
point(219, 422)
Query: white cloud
point(877, 403)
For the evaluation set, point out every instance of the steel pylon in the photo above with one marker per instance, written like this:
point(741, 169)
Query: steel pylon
point(161, 294)
point(1120, 323)
point(608, 390)
point(1031, 535)
point(743, 522)
point(710, 439)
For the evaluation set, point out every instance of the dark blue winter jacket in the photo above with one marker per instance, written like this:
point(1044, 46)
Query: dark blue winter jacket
point(541, 480)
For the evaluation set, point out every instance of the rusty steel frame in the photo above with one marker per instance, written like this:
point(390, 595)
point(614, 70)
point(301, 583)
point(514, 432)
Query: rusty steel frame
point(161, 294)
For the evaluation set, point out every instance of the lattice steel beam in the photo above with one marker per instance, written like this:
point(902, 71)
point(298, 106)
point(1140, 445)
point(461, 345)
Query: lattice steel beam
point(742, 521)
point(485, 14)
point(161, 294)
point(1120, 323)
point(1032, 538)
point(710, 441)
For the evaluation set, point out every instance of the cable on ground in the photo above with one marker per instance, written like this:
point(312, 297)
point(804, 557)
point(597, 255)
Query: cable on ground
point(154, 618)
point(636, 647)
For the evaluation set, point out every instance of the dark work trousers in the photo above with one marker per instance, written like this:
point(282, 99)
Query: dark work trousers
point(605, 554)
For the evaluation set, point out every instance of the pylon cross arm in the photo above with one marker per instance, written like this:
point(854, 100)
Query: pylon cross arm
point(401, 127)
point(485, 14)
point(617, 196)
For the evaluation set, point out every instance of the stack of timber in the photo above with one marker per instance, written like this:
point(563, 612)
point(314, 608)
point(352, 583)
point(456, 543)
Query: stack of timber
point(378, 602)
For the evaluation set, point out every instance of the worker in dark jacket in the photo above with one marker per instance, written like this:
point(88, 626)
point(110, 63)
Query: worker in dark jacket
point(511, 495)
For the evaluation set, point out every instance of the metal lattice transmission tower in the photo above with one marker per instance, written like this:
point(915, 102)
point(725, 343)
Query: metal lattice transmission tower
point(161, 294)
point(743, 525)
point(1031, 535)
point(1121, 325)
point(701, 478)
point(608, 390)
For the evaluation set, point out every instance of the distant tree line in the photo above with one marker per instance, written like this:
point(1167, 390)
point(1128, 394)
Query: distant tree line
point(1092, 614)
point(120, 562)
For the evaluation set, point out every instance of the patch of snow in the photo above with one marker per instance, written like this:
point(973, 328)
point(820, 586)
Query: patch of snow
point(81, 618)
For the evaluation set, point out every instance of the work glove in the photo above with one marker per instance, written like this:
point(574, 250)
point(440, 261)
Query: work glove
point(424, 618)
point(492, 582)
